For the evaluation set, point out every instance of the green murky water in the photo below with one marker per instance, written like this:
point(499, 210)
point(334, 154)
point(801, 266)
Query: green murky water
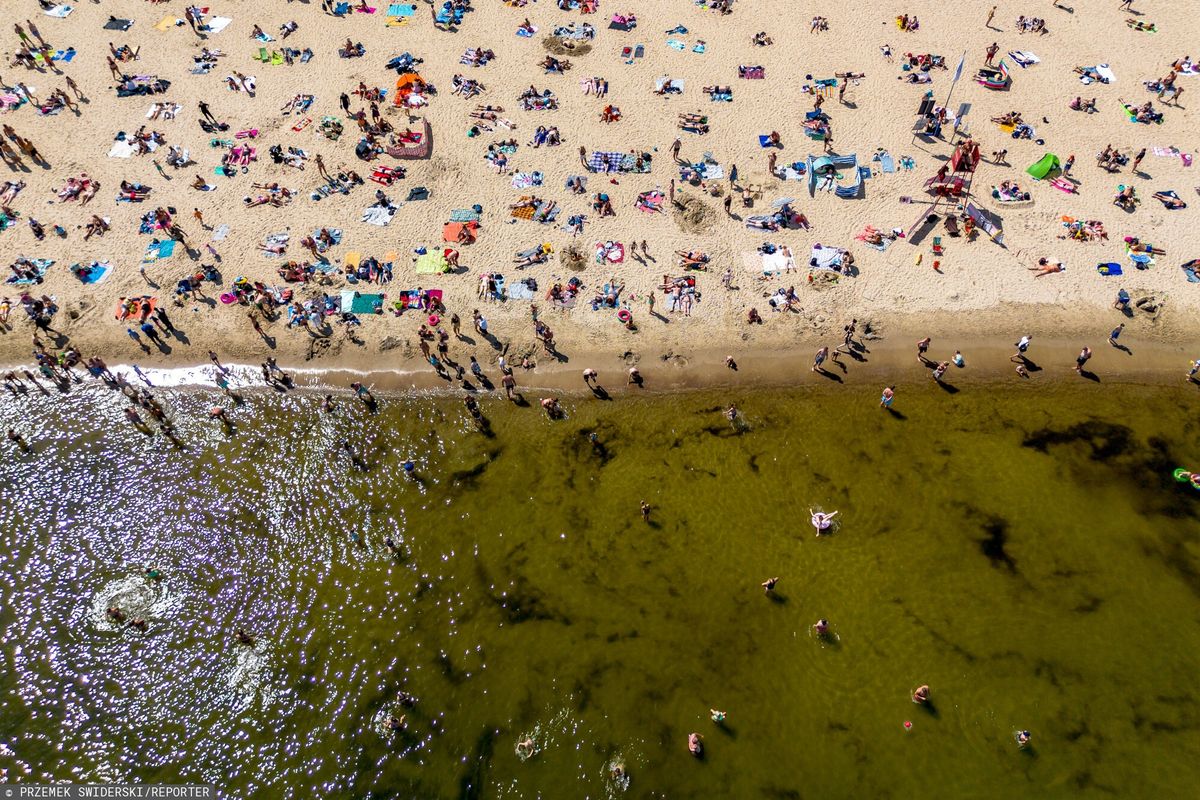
point(1026, 554)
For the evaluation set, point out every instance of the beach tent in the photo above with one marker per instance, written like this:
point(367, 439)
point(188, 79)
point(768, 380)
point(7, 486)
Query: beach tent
point(1043, 166)
point(823, 166)
point(993, 78)
point(412, 145)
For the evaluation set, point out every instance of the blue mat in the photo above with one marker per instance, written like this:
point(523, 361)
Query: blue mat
point(1109, 269)
point(401, 10)
point(95, 272)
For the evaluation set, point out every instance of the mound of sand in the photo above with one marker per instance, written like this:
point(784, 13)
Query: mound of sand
point(557, 45)
point(692, 214)
point(573, 258)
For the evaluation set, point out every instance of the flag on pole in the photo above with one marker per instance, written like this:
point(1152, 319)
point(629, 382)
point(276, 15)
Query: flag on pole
point(958, 69)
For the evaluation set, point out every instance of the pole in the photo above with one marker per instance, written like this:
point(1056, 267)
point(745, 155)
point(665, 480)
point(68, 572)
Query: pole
point(949, 94)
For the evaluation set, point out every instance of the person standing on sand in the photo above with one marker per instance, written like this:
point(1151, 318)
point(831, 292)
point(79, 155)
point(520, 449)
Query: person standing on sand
point(645, 511)
point(990, 53)
point(675, 147)
point(1137, 160)
point(205, 112)
point(1084, 355)
point(991, 16)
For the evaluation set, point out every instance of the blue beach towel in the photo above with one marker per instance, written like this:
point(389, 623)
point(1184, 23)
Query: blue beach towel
point(675, 44)
point(401, 10)
point(1109, 269)
point(341, 9)
point(887, 163)
point(40, 265)
point(96, 272)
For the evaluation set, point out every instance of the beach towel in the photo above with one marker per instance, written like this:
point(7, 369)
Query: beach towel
point(1109, 269)
point(341, 9)
point(671, 84)
point(675, 44)
point(59, 11)
point(524, 180)
point(525, 212)
point(1170, 193)
point(158, 249)
point(825, 258)
point(886, 162)
point(1024, 58)
point(378, 215)
point(122, 149)
point(94, 273)
point(166, 23)
point(115, 24)
point(1189, 271)
point(452, 230)
point(612, 252)
point(401, 10)
point(464, 215)
point(40, 265)
point(431, 263)
point(358, 303)
point(131, 307)
point(522, 290)
point(220, 233)
point(217, 24)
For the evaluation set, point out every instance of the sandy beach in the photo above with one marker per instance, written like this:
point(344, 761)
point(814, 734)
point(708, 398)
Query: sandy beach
point(982, 290)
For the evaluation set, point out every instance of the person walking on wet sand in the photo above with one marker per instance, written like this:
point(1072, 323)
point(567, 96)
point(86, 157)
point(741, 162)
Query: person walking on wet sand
point(635, 377)
point(1116, 334)
point(822, 354)
point(1082, 359)
point(645, 511)
point(922, 348)
point(1022, 346)
point(590, 376)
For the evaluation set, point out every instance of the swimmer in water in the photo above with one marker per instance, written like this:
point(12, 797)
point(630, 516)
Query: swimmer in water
point(821, 521)
point(821, 627)
point(327, 403)
point(18, 440)
point(153, 574)
point(769, 585)
point(920, 695)
point(115, 614)
point(696, 744)
point(395, 723)
point(731, 413)
point(525, 748)
point(139, 623)
point(717, 716)
point(243, 637)
point(1023, 738)
point(645, 511)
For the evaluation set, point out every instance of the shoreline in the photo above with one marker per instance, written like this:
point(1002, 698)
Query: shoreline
point(884, 361)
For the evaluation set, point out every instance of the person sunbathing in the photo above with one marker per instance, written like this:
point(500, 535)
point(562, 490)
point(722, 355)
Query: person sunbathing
point(1126, 198)
point(610, 114)
point(692, 260)
point(1136, 246)
point(95, 227)
point(1011, 118)
point(1047, 267)
point(526, 202)
point(603, 205)
point(1169, 200)
point(761, 39)
point(11, 189)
